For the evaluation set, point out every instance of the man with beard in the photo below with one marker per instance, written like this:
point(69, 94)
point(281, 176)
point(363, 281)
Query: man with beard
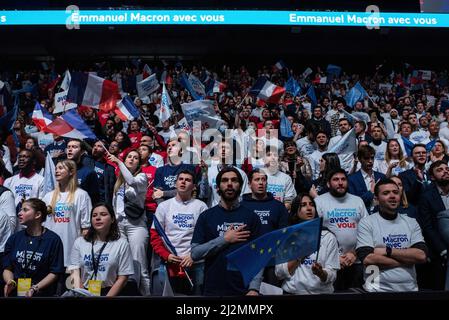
point(362, 182)
point(346, 159)
point(105, 173)
point(223, 159)
point(341, 213)
point(24, 185)
point(221, 230)
point(433, 215)
point(416, 180)
point(389, 244)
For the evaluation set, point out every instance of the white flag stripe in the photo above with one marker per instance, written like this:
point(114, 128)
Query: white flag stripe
point(92, 94)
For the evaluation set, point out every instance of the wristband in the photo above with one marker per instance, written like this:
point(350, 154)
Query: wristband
point(389, 251)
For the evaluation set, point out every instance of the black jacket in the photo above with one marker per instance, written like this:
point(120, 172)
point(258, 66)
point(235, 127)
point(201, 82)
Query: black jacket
point(429, 205)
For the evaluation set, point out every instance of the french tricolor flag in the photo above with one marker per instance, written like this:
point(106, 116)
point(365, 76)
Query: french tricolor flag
point(146, 71)
point(41, 117)
point(126, 109)
point(267, 91)
point(218, 87)
point(89, 90)
point(70, 125)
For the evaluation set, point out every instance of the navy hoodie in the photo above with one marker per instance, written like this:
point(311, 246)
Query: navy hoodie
point(272, 213)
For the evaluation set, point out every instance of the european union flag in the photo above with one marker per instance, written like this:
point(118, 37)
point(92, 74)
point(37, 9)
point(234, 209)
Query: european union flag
point(184, 81)
point(286, 127)
point(356, 93)
point(312, 95)
point(292, 86)
point(409, 146)
point(276, 247)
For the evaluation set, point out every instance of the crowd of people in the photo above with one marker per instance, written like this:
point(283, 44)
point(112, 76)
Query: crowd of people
point(146, 201)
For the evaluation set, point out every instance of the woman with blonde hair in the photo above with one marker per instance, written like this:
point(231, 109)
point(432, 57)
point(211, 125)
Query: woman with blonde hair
point(129, 199)
point(394, 162)
point(69, 207)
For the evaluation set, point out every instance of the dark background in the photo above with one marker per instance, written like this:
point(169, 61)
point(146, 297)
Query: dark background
point(354, 48)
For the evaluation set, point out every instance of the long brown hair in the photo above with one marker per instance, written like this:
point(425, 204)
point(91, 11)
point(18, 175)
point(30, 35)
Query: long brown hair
point(121, 180)
point(114, 232)
point(402, 161)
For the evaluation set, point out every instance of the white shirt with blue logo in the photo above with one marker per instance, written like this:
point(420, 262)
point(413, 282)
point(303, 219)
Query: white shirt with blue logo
point(342, 216)
point(303, 281)
point(400, 233)
point(178, 219)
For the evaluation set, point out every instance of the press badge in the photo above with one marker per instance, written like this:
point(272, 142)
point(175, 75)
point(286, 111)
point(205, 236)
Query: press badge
point(23, 285)
point(94, 287)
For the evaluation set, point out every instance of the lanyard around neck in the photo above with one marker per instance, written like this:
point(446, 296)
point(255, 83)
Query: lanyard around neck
point(96, 262)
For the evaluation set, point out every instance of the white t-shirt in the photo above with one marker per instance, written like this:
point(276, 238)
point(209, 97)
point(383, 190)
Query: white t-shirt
point(281, 186)
point(32, 187)
point(5, 230)
point(303, 281)
point(420, 136)
point(346, 159)
point(6, 157)
point(68, 219)
point(242, 143)
point(8, 208)
point(380, 150)
point(314, 160)
point(382, 166)
point(212, 173)
point(341, 216)
point(400, 233)
point(167, 135)
point(115, 260)
point(178, 219)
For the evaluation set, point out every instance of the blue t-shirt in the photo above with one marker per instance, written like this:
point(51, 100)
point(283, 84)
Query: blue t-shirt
point(35, 257)
point(272, 213)
point(213, 223)
point(165, 178)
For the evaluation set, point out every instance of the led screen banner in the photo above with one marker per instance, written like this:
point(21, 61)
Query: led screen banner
point(74, 17)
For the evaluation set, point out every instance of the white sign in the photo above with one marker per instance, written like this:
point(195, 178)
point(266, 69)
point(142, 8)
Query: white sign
point(61, 104)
